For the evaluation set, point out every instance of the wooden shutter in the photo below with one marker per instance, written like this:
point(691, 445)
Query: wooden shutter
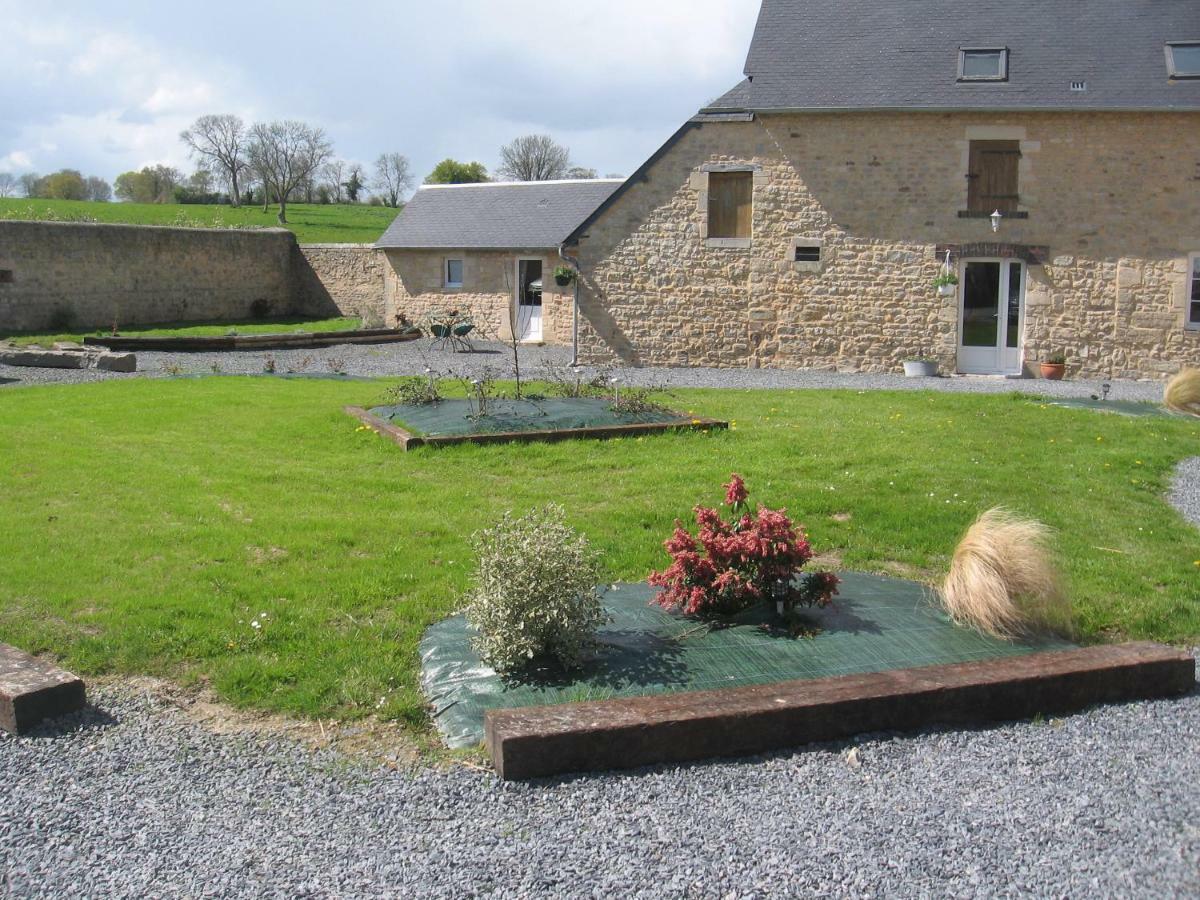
point(730, 204)
point(992, 180)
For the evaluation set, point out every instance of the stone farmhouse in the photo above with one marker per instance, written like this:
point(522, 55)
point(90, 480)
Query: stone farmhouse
point(489, 251)
point(1045, 154)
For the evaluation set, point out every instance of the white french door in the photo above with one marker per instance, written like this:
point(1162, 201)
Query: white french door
point(529, 300)
point(991, 329)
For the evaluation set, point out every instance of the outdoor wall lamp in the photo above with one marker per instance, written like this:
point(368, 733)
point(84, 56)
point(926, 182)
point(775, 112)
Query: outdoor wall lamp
point(997, 217)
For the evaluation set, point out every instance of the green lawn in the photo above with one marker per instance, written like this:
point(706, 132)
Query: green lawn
point(148, 523)
point(311, 224)
point(212, 329)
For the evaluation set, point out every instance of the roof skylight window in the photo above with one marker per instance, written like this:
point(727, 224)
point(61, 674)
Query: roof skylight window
point(983, 64)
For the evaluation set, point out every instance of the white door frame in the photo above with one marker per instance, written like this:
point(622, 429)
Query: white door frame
point(1000, 360)
point(530, 330)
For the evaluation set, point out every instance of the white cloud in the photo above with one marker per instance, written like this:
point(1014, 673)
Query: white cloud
point(112, 88)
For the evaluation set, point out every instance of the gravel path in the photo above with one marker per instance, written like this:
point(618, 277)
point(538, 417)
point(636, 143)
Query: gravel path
point(412, 358)
point(131, 799)
point(1185, 493)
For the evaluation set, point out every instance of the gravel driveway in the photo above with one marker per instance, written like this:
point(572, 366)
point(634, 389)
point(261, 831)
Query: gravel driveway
point(131, 799)
point(412, 358)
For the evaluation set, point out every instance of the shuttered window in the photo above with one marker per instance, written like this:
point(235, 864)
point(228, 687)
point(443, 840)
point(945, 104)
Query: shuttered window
point(992, 180)
point(730, 204)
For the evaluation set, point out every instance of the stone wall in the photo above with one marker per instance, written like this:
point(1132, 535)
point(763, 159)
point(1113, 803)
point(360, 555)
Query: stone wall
point(414, 288)
point(1113, 205)
point(69, 275)
point(66, 276)
point(343, 279)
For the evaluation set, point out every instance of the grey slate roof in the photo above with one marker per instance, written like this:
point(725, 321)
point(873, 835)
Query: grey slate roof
point(496, 216)
point(884, 54)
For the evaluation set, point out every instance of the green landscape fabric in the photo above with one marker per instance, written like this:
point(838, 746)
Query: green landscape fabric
point(1119, 407)
point(877, 624)
point(453, 417)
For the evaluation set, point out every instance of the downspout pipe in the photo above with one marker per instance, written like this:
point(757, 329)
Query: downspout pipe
point(573, 261)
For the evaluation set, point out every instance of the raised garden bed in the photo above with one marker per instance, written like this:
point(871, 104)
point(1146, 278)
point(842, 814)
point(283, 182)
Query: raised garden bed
point(299, 340)
point(663, 688)
point(450, 422)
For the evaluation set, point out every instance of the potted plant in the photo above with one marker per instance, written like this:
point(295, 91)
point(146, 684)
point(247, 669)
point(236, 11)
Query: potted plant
point(921, 367)
point(564, 276)
point(1054, 368)
point(946, 283)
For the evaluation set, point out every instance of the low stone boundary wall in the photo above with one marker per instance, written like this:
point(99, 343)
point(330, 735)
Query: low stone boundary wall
point(67, 276)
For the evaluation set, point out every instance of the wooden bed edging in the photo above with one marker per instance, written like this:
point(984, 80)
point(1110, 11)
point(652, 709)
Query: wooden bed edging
point(298, 340)
point(675, 728)
point(409, 441)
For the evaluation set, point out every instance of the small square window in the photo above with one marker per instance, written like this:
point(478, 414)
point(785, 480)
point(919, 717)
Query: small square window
point(1183, 60)
point(808, 253)
point(983, 64)
point(454, 273)
point(1194, 294)
point(6, 276)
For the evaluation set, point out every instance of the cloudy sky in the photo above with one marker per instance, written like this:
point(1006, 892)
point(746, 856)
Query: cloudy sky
point(107, 86)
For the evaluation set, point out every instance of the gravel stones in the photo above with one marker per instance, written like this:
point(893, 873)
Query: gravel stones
point(130, 799)
point(390, 360)
point(1185, 492)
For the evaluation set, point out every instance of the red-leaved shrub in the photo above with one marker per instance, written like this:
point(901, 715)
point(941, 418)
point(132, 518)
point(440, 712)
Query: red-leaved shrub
point(730, 566)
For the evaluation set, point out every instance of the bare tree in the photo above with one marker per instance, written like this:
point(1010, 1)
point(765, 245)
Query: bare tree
point(286, 154)
point(31, 183)
point(8, 184)
point(99, 190)
point(220, 140)
point(582, 173)
point(334, 173)
point(393, 177)
point(535, 157)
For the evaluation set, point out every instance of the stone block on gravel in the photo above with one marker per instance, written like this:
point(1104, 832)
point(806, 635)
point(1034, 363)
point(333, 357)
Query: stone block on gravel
point(32, 691)
point(117, 362)
point(44, 359)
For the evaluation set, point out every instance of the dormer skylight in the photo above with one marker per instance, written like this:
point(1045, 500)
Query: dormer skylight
point(1183, 59)
point(983, 64)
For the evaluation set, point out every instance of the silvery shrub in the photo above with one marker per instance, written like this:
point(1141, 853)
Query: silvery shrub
point(534, 592)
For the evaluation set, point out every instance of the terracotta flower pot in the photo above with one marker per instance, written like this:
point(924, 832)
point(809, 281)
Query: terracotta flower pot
point(1054, 371)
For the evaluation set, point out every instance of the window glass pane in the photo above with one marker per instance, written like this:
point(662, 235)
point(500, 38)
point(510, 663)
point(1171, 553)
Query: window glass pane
point(1015, 276)
point(1195, 319)
point(1187, 59)
point(981, 305)
point(454, 271)
point(983, 64)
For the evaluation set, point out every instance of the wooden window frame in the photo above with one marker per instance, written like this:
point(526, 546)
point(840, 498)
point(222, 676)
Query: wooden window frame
point(1173, 70)
point(446, 282)
point(985, 79)
point(1007, 203)
point(1192, 323)
point(742, 234)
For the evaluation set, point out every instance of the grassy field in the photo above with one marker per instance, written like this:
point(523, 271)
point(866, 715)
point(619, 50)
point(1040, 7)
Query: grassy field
point(149, 523)
point(311, 224)
point(214, 329)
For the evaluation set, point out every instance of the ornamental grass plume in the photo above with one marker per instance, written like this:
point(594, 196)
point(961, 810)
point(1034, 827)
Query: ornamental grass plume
point(1003, 580)
point(1183, 392)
